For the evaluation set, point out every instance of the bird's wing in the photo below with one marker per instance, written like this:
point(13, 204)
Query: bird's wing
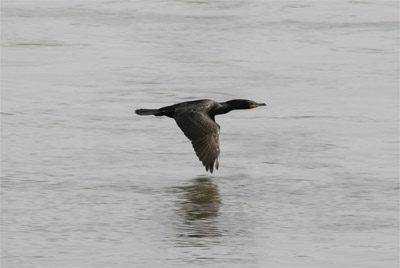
point(204, 134)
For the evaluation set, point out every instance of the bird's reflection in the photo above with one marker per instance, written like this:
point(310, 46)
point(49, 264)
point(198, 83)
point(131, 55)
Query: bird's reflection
point(199, 205)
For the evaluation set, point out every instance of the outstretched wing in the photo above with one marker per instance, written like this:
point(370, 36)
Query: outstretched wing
point(204, 134)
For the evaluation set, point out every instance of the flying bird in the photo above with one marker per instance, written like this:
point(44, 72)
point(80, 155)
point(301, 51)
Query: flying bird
point(197, 121)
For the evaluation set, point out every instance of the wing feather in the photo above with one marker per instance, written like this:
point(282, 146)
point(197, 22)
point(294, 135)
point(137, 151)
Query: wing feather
point(204, 135)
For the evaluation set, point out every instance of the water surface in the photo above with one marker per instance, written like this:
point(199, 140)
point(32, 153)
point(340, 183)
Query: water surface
point(309, 181)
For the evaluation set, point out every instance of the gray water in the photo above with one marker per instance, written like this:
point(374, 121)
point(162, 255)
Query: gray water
point(309, 181)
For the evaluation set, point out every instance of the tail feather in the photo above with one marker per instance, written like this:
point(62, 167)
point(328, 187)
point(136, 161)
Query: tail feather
point(146, 111)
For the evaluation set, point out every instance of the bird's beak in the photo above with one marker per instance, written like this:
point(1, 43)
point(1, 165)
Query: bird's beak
point(256, 104)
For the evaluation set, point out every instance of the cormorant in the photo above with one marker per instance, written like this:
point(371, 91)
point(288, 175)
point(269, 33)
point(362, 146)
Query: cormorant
point(197, 121)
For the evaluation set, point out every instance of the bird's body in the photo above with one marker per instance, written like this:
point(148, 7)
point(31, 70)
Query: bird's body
point(197, 121)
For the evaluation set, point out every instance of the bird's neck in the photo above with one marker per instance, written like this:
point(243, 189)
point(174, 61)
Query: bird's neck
point(225, 107)
point(222, 108)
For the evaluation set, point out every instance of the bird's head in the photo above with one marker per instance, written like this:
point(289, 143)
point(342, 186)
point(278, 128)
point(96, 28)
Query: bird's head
point(244, 104)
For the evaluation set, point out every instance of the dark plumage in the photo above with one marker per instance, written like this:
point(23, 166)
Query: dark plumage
point(197, 121)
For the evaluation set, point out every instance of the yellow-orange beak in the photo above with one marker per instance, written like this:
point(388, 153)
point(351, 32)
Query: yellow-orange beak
point(256, 104)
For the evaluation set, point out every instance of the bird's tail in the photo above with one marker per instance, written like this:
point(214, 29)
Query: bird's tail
point(146, 111)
